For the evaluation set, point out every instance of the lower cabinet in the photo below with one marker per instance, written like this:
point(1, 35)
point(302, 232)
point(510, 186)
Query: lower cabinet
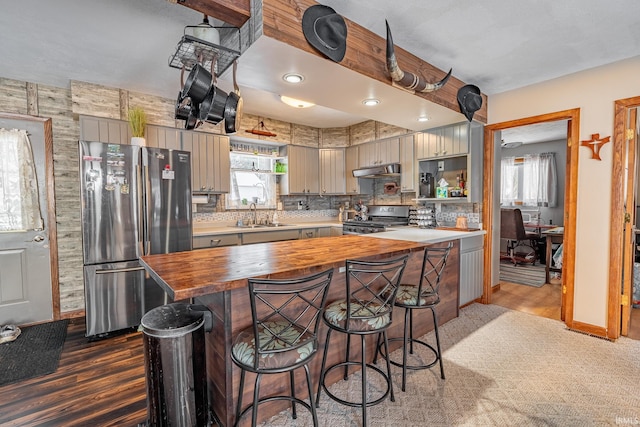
point(310, 233)
point(216, 241)
point(270, 236)
point(235, 239)
point(471, 268)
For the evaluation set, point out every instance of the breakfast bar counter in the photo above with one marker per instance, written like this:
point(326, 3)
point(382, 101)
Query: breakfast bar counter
point(217, 278)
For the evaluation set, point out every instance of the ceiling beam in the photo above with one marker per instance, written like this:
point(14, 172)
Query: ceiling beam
point(366, 52)
point(232, 12)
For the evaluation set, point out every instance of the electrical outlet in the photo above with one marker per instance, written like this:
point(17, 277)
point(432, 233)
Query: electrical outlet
point(440, 165)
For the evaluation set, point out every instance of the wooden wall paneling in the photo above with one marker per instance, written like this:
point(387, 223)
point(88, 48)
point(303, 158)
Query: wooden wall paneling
point(32, 99)
point(334, 137)
point(13, 97)
point(55, 103)
point(160, 111)
point(384, 130)
point(365, 51)
point(305, 135)
point(362, 132)
point(234, 12)
point(95, 100)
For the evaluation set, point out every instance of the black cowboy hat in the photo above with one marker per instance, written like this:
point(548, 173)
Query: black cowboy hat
point(469, 100)
point(326, 31)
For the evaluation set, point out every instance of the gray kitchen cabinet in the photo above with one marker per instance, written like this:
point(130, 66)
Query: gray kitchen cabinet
point(452, 140)
point(216, 241)
point(311, 233)
point(163, 137)
point(379, 152)
point(104, 130)
point(408, 165)
point(471, 268)
point(351, 162)
point(332, 171)
point(303, 171)
point(270, 236)
point(210, 165)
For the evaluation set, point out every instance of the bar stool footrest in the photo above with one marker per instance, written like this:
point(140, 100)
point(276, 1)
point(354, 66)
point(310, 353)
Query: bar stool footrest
point(358, 404)
point(272, 398)
point(409, 342)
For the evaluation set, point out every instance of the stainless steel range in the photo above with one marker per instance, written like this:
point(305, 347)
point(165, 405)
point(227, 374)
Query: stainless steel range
point(379, 218)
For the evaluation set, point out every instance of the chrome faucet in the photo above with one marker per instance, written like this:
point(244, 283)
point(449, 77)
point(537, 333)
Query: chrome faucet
point(254, 209)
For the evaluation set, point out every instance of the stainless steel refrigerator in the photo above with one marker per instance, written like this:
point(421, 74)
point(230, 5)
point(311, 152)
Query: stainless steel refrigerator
point(135, 201)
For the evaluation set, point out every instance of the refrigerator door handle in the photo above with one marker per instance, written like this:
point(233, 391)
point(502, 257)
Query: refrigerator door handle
point(147, 212)
point(142, 237)
point(119, 270)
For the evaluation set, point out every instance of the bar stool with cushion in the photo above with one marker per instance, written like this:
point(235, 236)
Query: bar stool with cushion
point(367, 309)
point(433, 264)
point(283, 336)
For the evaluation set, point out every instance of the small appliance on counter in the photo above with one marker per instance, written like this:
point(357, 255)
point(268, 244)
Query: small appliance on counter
point(427, 186)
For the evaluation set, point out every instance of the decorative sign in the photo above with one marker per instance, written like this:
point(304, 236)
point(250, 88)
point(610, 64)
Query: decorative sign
point(595, 144)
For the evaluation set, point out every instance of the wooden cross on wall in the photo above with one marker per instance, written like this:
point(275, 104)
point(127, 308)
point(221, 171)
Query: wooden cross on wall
point(595, 144)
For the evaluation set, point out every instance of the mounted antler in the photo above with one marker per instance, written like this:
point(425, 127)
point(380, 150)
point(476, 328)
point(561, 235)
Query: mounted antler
point(408, 80)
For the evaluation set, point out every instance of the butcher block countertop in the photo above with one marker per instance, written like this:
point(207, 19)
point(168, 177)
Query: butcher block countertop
point(207, 271)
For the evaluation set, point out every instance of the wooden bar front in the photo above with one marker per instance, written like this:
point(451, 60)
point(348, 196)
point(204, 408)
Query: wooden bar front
point(217, 278)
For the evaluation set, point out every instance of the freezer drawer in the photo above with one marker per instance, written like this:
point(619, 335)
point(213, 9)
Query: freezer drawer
point(117, 295)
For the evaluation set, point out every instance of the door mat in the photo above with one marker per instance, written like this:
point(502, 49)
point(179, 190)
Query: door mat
point(34, 353)
point(530, 275)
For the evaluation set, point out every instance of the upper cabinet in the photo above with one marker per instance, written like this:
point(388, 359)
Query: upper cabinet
point(351, 162)
point(379, 152)
point(104, 130)
point(163, 137)
point(407, 164)
point(210, 166)
point(446, 141)
point(302, 171)
point(332, 171)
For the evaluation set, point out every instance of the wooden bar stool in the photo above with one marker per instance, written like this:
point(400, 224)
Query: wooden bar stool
point(367, 309)
point(416, 297)
point(283, 337)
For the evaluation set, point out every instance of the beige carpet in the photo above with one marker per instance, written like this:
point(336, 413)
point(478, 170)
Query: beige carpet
point(505, 368)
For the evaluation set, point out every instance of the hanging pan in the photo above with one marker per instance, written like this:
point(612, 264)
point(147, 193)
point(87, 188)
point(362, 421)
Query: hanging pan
point(197, 85)
point(233, 106)
point(213, 107)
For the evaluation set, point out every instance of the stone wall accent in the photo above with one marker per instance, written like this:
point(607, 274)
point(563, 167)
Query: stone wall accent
point(362, 132)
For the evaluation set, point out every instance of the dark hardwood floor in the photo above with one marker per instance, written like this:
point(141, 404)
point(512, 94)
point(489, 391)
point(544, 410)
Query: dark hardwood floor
point(99, 383)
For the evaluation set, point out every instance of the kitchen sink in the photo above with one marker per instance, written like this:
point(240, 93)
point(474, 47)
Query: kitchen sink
point(280, 225)
point(251, 226)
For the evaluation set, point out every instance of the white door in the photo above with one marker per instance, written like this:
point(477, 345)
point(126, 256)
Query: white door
point(25, 266)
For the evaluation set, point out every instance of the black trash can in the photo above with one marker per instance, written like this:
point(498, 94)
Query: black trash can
point(175, 365)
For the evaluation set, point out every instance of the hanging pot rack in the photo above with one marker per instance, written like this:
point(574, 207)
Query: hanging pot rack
point(192, 50)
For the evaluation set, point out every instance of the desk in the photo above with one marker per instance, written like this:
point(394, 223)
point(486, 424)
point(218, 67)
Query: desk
point(553, 235)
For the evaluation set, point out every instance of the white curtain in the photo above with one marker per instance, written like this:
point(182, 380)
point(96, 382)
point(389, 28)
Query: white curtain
point(540, 180)
point(508, 182)
point(19, 203)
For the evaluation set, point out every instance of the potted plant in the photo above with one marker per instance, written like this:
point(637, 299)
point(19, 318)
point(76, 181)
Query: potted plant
point(137, 122)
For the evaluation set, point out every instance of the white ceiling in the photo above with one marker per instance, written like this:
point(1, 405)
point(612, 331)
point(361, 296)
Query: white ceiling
point(496, 44)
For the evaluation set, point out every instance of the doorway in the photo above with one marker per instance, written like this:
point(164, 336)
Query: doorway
point(491, 203)
point(29, 290)
point(623, 317)
point(532, 180)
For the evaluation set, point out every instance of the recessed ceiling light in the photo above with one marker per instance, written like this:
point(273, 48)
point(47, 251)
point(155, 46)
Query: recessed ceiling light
point(371, 101)
point(293, 78)
point(296, 102)
point(423, 119)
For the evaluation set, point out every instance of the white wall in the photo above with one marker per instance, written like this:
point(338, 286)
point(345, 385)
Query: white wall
point(594, 92)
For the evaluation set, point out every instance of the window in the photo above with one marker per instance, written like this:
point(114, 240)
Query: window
point(529, 181)
point(252, 181)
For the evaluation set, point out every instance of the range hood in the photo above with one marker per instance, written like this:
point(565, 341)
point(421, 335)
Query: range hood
point(375, 171)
